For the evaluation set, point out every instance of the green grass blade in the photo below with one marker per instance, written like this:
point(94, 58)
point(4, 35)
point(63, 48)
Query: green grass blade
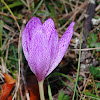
point(37, 7)
point(7, 64)
point(94, 97)
point(70, 88)
point(78, 67)
point(1, 30)
point(15, 4)
point(61, 74)
point(49, 91)
point(61, 95)
point(11, 13)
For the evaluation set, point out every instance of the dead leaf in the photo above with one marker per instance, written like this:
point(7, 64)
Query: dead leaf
point(34, 92)
point(5, 91)
point(7, 87)
point(9, 79)
point(32, 87)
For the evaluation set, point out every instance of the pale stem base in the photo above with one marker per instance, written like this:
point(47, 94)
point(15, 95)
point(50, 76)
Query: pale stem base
point(41, 90)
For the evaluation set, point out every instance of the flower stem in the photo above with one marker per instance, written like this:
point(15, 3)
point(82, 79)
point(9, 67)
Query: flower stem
point(41, 90)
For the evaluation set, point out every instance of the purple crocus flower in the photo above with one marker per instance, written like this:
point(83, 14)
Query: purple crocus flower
point(42, 47)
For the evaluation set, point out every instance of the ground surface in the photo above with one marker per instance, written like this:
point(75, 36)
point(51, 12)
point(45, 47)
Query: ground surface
point(14, 14)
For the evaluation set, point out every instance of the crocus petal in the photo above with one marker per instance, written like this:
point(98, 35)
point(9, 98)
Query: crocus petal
point(27, 34)
point(52, 37)
point(33, 23)
point(62, 47)
point(53, 43)
point(24, 43)
point(48, 27)
point(39, 56)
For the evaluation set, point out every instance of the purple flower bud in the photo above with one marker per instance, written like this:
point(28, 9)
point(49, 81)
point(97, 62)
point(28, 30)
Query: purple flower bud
point(42, 47)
